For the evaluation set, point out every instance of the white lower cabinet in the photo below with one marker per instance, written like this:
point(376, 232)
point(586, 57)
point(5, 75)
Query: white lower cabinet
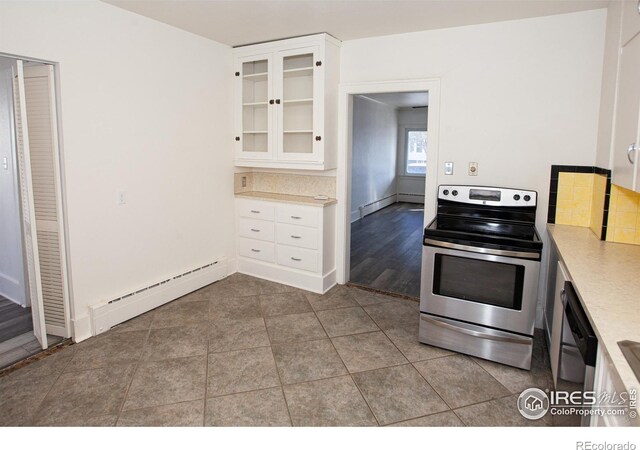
point(607, 383)
point(287, 243)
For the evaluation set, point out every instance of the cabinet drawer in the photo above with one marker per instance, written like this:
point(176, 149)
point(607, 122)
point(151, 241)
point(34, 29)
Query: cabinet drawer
point(256, 209)
point(250, 248)
point(298, 215)
point(257, 229)
point(298, 258)
point(297, 236)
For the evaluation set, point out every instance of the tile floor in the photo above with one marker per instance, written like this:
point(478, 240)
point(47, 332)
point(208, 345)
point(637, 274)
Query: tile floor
point(247, 352)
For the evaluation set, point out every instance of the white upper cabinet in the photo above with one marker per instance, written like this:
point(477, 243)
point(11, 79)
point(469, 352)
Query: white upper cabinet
point(626, 131)
point(630, 20)
point(286, 103)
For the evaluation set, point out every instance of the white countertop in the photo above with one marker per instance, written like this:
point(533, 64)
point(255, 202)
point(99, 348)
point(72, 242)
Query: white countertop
point(287, 198)
point(606, 276)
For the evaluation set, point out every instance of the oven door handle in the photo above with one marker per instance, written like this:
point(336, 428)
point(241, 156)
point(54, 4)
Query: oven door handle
point(474, 333)
point(487, 251)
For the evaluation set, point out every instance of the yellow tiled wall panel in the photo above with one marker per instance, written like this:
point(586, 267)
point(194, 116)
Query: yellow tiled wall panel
point(597, 204)
point(575, 194)
point(623, 224)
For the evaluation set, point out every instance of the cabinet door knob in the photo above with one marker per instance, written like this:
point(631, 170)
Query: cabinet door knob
point(632, 148)
point(255, 250)
point(271, 102)
point(237, 138)
point(318, 138)
point(318, 63)
point(296, 259)
point(277, 101)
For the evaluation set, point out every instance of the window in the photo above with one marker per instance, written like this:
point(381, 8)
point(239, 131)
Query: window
point(416, 152)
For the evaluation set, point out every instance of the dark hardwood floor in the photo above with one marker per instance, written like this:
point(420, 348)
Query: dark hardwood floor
point(386, 249)
point(14, 319)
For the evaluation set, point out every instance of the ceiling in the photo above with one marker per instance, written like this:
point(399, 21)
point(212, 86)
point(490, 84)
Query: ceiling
point(401, 99)
point(241, 22)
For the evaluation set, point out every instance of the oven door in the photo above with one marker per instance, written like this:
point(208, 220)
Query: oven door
point(484, 289)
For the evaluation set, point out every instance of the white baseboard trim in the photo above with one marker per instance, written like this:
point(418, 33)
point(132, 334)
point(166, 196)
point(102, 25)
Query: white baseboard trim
point(106, 315)
point(372, 207)
point(291, 277)
point(411, 198)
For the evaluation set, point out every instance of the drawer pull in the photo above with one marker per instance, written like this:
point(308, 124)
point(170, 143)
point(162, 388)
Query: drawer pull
point(255, 231)
point(295, 237)
point(296, 217)
point(296, 259)
point(255, 251)
point(255, 212)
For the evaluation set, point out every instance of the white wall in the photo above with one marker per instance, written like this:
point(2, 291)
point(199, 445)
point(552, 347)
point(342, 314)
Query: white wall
point(407, 184)
point(145, 108)
point(12, 284)
point(516, 96)
point(375, 131)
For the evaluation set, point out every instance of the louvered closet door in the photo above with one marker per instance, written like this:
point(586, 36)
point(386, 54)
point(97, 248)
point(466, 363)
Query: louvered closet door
point(34, 287)
point(42, 129)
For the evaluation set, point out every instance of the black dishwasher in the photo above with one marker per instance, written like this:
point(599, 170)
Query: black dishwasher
point(578, 348)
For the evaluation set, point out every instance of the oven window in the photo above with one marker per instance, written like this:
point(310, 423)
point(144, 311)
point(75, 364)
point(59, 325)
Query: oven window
point(479, 281)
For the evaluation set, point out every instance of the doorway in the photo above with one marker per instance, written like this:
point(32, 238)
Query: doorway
point(34, 296)
point(390, 225)
point(388, 168)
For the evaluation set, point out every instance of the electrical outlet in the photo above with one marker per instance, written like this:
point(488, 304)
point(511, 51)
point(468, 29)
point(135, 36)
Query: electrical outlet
point(473, 169)
point(244, 181)
point(122, 197)
point(448, 168)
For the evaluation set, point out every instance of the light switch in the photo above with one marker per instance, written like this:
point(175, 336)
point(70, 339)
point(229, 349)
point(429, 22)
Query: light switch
point(448, 168)
point(5, 163)
point(122, 197)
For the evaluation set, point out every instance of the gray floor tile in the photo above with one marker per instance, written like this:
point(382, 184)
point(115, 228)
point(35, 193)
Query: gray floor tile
point(108, 349)
point(286, 303)
point(264, 408)
point(227, 335)
point(294, 327)
point(138, 323)
point(337, 297)
point(240, 371)
point(177, 342)
point(16, 342)
point(94, 421)
point(234, 308)
point(395, 313)
point(329, 402)
point(186, 414)
point(450, 377)
point(343, 321)
point(367, 351)
point(50, 366)
point(443, 419)
point(398, 393)
point(306, 361)
point(502, 412)
point(20, 398)
point(368, 298)
point(177, 314)
point(87, 393)
point(169, 381)
point(406, 339)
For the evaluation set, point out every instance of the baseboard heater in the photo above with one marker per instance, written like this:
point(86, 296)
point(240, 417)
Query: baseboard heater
point(108, 314)
point(372, 207)
point(411, 198)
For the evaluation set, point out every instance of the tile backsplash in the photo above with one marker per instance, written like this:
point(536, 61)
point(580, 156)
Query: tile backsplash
point(624, 220)
point(585, 197)
point(283, 183)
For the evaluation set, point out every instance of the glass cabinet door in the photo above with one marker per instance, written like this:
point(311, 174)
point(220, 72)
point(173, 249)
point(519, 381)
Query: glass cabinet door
point(255, 113)
point(297, 85)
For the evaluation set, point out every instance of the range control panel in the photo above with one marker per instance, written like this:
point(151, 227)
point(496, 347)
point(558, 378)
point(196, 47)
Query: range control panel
point(486, 195)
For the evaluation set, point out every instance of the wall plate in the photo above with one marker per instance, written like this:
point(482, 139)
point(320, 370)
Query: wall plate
point(448, 168)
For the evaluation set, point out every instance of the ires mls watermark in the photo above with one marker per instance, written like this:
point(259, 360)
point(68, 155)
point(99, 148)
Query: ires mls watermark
point(534, 403)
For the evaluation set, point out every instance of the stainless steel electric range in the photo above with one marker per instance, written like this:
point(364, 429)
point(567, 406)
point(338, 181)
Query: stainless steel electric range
point(480, 268)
